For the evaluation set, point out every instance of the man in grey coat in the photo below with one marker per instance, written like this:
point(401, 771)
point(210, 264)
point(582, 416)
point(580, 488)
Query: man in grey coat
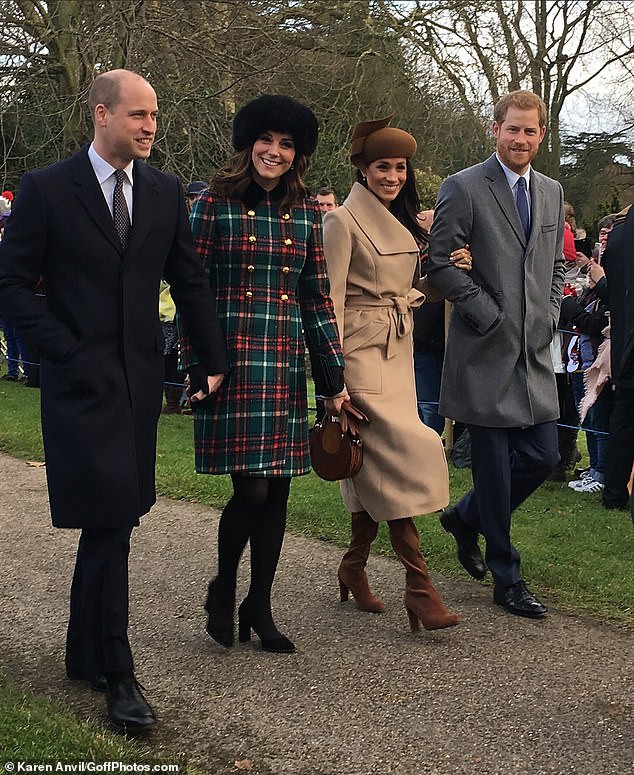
point(498, 377)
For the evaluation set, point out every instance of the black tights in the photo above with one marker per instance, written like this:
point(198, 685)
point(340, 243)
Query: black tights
point(256, 512)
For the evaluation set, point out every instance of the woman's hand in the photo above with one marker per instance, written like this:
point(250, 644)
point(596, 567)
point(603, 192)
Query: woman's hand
point(462, 259)
point(349, 416)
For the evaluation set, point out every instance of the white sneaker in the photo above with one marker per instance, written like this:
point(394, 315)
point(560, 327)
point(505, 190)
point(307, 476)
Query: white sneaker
point(589, 485)
point(575, 483)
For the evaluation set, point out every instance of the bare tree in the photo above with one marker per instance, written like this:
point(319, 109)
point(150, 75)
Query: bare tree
point(486, 48)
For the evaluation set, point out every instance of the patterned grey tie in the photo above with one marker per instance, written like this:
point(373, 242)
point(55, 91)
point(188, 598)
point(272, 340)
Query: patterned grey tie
point(120, 211)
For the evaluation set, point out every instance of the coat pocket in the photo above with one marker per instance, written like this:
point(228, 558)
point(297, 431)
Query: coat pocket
point(370, 333)
point(363, 354)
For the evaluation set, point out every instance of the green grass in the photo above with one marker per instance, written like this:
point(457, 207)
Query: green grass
point(574, 552)
point(38, 730)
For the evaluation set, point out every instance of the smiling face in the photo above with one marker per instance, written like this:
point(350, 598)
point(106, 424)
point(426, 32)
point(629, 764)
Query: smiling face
point(272, 155)
point(126, 131)
point(386, 178)
point(518, 138)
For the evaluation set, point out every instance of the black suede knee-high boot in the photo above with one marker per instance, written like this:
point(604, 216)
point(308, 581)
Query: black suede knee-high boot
point(267, 536)
point(234, 529)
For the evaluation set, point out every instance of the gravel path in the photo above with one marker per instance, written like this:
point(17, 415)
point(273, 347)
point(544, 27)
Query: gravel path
point(362, 696)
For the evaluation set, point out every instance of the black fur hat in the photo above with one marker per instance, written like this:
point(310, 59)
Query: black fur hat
point(278, 113)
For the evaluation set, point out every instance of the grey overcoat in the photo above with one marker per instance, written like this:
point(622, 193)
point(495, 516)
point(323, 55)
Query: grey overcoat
point(498, 370)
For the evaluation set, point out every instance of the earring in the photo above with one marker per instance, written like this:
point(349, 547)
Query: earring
point(292, 166)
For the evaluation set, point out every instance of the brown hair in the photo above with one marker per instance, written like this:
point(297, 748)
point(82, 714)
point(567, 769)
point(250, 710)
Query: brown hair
point(569, 215)
point(233, 179)
point(105, 90)
point(522, 100)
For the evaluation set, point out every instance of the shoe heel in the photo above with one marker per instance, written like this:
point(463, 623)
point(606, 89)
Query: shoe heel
point(414, 623)
point(244, 630)
point(343, 591)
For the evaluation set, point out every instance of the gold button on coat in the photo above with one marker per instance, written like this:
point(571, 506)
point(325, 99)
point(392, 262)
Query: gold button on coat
point(284, 297)
point(286, 216)
point(252, 238)
point(286, 269)
point(250, 268)
point(251, 212)
point(288, 241)
point(248, 294)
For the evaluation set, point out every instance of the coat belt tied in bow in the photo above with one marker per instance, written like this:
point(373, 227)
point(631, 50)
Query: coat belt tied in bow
point(400, 317)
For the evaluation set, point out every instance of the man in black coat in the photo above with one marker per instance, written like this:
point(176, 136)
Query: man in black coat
point(618, 262)
point(102, 228)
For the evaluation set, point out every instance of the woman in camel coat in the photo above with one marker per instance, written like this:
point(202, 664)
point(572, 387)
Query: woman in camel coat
point(372, 246)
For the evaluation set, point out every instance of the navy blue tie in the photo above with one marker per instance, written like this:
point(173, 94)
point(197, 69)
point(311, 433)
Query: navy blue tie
point(522, 206)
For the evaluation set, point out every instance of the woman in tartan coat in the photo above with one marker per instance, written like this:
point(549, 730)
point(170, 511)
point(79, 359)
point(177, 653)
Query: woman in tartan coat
point(260, 240)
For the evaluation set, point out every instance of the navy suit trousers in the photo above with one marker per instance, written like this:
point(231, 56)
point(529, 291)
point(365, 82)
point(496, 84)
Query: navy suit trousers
point(507, 464)
point(97, 640)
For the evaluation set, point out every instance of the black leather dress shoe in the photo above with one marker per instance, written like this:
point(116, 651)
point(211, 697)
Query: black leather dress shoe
point(127, 707)
point(519, 601)
point(97, 682)
point(469, 554)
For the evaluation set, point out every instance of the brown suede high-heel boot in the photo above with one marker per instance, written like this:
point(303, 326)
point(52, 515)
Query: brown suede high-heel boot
point(422, 601)
point(351, 574)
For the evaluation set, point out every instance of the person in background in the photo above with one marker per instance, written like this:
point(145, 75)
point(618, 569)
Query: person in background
point(587, 315)
point(327, 200)
point(498, 374)
point(259, 238)
point(618, 292)
point(172, 386)
point(194, 190)
point(567, 431)
point(14, 342)
point(429, 348)
point(373, 243)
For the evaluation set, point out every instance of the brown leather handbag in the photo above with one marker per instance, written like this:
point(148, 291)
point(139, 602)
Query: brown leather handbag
point(334, 454)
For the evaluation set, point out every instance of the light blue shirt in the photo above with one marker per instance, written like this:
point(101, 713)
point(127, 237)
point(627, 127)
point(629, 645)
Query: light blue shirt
point(513, 177)
point(105, 176)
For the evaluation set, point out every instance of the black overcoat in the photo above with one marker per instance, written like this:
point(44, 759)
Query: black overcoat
point(99, 336)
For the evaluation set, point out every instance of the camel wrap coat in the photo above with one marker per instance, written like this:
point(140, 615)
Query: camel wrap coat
point(372, 262)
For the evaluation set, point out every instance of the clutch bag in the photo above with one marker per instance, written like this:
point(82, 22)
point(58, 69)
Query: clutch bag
point(334, 454)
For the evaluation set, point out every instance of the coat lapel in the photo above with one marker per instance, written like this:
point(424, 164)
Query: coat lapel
point(503, 195)
point(538, 201)
point(387, 235)
point(145, 206)
point(91, 196)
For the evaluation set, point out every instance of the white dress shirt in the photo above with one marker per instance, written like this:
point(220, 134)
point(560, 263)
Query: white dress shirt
point(513, 177)
point(105, 175)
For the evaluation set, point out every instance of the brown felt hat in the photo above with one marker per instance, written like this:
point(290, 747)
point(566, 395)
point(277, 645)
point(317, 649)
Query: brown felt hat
point(372, 140)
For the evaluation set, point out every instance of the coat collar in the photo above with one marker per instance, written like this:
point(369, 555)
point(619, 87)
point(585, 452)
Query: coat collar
point(255, 194)
point(91, 198)
point(385, 232)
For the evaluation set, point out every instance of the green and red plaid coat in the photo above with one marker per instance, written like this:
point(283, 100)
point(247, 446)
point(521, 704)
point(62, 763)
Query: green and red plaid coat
point(268, 272)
